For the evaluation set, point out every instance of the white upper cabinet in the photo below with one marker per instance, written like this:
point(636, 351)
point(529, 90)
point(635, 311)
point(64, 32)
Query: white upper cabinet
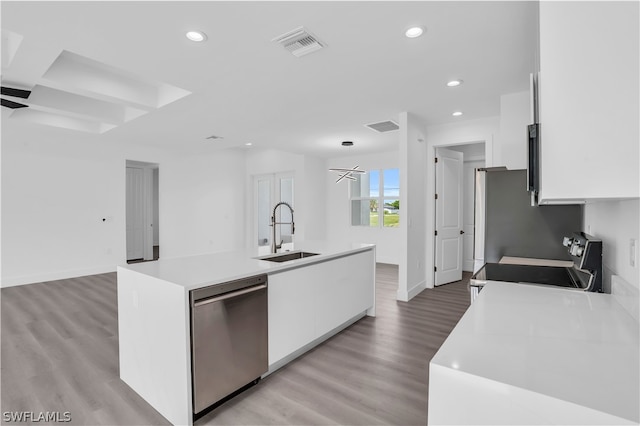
point(589, 95)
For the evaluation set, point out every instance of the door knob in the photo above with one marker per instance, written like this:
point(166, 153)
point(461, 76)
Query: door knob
point(461, 232)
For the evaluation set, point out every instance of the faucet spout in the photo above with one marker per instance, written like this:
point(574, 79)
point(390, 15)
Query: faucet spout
point(274, 246)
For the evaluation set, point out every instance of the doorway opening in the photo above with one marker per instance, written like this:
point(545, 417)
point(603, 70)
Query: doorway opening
point(142, 211)
point(268, 190)
point(456, 246)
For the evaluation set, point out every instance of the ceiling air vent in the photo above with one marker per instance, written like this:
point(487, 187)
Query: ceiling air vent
point(383, 126)
point(299, 42)
point(214, 137)
point(15, 93)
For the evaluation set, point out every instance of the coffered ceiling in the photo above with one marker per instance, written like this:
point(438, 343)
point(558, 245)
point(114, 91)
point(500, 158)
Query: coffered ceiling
point(126, 72)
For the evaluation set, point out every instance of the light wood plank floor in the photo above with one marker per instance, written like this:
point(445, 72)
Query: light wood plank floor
point(60, 353)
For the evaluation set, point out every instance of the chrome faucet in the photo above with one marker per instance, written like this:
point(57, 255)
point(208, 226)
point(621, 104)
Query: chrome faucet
point(274, 246)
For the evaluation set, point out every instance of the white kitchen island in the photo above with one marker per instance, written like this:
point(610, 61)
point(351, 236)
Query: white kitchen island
point(525, 354)
point(309, 300)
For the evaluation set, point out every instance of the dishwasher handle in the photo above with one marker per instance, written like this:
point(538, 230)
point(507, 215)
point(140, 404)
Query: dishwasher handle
point(229, 295)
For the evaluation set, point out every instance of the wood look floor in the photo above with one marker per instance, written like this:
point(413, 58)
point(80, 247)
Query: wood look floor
point(60, 353)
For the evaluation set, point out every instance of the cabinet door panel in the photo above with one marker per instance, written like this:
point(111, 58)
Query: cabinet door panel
point(291, 312)
point(308, 302)
point(589, 97)
point(345, 292)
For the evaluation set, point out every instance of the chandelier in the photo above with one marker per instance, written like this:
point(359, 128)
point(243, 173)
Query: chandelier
point(344, 172)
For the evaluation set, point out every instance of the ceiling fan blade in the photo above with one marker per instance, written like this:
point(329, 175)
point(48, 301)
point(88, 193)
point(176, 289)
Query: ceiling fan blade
point(16, 93)
point(13, 105)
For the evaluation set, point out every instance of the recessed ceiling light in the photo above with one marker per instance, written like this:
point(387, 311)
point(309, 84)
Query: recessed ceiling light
point(414, 32)
point(196, 36)
point(457, 114)
point(248, 144)
point(454, 83)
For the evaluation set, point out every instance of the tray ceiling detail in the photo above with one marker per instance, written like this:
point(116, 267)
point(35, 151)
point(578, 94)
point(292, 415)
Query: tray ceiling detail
point(83, 94)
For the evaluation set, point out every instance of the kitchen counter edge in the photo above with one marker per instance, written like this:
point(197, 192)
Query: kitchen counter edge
point(197, 271)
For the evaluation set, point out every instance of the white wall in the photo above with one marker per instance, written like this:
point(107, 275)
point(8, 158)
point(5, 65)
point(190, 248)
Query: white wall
point(485, 130)
point(506, 135)
point(309, 190)
point(615, 223)
point(201, 203)
point(413, 181)
point(313, 207)
point(513, 139)
point(387, 240)
point(57, 187)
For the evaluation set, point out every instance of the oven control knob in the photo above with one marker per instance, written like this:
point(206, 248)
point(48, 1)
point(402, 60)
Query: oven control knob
point(577, 250)
point(567, 241)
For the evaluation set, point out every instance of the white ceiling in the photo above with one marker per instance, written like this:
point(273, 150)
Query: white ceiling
point(248, 89)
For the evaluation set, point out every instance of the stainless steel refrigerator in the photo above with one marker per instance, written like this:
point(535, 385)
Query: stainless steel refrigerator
point(508, 225)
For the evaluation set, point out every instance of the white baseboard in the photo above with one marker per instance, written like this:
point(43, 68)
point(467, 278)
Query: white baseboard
point(51, 276)
point(405, 296)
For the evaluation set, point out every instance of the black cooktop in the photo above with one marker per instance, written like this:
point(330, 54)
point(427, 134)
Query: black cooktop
point(550, 275)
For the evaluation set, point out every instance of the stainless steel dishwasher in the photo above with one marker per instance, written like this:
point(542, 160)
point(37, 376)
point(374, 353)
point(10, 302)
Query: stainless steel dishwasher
point(229, 339)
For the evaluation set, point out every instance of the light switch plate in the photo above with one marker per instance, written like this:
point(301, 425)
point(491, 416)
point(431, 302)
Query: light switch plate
point(633, 244)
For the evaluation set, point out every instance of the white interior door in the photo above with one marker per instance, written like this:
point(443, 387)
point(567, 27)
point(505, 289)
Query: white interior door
point(469, 174)
point(449, 217)
point(147, 211)
point(135, 213)
point(139, 212)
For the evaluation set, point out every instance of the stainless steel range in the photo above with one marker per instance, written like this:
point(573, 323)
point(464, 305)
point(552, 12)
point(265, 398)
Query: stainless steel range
point(585, 274)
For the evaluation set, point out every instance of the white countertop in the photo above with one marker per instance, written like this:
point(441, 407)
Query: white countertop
point(578, 347)
point(193, 272)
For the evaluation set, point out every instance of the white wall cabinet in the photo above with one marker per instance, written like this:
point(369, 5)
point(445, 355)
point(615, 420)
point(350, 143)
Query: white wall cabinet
point(308, 302)
point(589, 95)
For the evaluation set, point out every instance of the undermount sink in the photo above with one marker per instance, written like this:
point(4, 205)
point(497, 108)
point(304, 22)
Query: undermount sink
point(283, 257)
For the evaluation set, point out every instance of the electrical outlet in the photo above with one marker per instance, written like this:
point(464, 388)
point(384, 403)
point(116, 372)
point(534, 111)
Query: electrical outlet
point(633, 243)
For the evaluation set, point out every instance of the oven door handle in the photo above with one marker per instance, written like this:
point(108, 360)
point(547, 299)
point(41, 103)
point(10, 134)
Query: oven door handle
point(229, 295)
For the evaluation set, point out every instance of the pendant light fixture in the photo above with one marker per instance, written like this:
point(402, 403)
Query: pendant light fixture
point(347, 173)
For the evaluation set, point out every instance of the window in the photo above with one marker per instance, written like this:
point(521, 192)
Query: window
point(375, 199)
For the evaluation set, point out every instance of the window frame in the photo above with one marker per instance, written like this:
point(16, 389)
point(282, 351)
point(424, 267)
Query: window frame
point(380, 199)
